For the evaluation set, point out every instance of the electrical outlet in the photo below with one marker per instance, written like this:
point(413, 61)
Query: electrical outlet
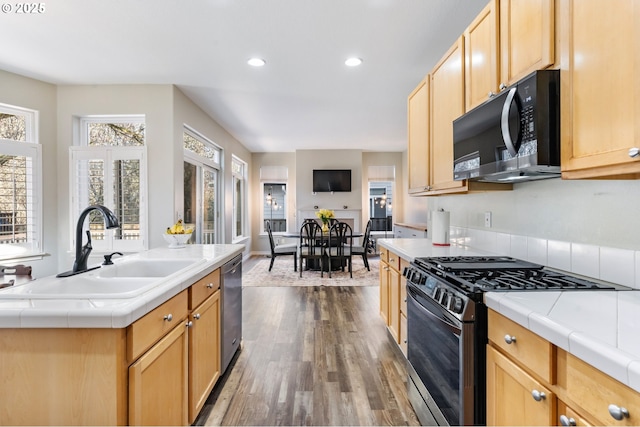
point(487, 219)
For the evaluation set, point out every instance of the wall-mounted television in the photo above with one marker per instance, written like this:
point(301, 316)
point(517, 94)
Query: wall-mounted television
point(325, 180)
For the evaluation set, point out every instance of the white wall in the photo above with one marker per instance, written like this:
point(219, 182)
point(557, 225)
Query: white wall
point(36, 95)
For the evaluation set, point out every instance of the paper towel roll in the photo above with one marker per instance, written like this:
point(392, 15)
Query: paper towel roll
point(440, 228)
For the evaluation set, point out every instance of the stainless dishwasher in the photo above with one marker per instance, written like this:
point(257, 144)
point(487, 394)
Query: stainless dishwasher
point(231, 286)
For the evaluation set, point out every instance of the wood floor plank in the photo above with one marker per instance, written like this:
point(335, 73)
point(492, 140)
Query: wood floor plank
point(315, 355)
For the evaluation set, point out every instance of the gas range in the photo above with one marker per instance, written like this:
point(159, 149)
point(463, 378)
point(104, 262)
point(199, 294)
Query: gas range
point(452, 281)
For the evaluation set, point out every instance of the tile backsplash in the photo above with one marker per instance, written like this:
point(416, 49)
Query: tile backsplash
point(621, 266)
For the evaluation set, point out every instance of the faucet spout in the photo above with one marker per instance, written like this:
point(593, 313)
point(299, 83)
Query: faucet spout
point(82, 252)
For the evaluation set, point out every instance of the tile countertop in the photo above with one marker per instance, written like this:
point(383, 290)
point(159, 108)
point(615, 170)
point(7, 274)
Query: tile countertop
point(114, 313)
point(599, 327)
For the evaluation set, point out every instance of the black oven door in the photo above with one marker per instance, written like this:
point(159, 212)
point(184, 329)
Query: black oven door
point(436, 351)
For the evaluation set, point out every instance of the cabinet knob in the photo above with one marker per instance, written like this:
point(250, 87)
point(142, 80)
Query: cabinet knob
point(189, 324)
point(502, 86)
point(168, 317)
point(509, 339)
point(210, 285)
point(634, 152)
point(538, 395)
point(491, 94)
point(618, 412)
point(566, 421)
point(196, 316)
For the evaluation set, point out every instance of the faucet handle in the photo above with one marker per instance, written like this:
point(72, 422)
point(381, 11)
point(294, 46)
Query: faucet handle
point(107, 258)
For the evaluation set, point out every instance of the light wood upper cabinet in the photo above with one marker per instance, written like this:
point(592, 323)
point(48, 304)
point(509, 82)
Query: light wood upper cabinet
point(601, 92)
point(481, 56)
point(418, 134)
point(446, 105)
point(527, 37)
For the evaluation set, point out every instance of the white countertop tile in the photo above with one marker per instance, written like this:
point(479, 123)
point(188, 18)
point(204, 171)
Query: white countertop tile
point(629, 322)
point(20, 312)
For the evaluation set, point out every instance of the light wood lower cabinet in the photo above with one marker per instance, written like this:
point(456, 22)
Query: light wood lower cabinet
point(157, 371)
point(158, 382)
point(393, 302)
point(522, 366)
point(204, 353)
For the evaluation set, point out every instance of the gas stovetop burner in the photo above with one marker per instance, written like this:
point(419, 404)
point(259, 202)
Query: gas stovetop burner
point(501, 273)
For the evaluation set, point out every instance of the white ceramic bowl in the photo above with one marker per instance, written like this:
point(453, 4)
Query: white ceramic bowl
point(176, 240)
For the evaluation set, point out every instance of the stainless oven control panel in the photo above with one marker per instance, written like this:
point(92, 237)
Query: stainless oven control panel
point(437, 290)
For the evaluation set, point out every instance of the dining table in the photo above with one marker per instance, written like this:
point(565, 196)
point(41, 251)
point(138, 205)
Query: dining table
point(324, 236)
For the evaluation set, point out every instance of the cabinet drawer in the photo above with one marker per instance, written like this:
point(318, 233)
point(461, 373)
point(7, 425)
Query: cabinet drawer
point(146, 331)
point(529, 349)
point(394, 260)
point(595, 391)
point(204, 288)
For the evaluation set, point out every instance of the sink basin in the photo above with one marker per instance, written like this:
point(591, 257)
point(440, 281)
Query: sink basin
point(125, 279)
point(144, 268)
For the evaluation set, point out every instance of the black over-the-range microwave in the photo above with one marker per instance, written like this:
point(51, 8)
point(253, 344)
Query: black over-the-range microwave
point(514, 136)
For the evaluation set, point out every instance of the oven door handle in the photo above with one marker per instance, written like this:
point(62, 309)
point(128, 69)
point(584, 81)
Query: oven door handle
point(451, 327)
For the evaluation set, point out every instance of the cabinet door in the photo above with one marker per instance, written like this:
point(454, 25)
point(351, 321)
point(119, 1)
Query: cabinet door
point(204, 353)
point(447, 104)
point(384, 291)
point(481, 56)
point(394, 304)
point(158, 382)
point(526, 37)
point(418, 134)
point(510, 395)
point(567, 416)
point(601, 97)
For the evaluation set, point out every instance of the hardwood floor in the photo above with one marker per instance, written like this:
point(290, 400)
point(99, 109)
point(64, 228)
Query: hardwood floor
point(312, 356)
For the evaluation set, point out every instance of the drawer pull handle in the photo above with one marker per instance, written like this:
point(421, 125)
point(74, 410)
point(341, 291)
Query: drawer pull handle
point(189, 324)
point(509, 339)
point(538, 395)
point(196, 316)
point(618, 412)
point(168, 317)
point(210, 285)
point(566, 421)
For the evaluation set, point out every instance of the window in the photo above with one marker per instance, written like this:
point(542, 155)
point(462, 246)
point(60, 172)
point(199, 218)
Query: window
point(274, 197)
point(202, 160)
point(20, 183)
point(239, 183)
point(108, 167)
point(381, 183)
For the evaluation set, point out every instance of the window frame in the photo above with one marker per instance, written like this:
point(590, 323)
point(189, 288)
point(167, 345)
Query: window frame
point(239, 177)
point(81, 150)
point(31, 148)
point(263, 217)
point(202, 164)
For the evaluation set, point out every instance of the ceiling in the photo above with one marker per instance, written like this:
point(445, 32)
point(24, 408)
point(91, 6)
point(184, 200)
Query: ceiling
point(303, 98)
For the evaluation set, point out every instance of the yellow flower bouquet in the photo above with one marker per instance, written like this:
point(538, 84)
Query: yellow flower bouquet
point(325, 215)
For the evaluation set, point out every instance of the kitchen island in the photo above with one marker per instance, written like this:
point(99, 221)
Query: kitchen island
point(114, 359)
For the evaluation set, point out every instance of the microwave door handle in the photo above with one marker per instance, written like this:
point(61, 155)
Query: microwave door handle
point(504, 123)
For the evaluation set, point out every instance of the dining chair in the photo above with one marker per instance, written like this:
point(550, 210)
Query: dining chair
point(280, 250)
point(340, 245)
point(365, 247)
point(310, 247)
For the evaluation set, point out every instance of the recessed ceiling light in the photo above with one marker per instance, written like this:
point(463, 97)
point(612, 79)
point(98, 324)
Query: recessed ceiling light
point(256, 62)
point(353, 62)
